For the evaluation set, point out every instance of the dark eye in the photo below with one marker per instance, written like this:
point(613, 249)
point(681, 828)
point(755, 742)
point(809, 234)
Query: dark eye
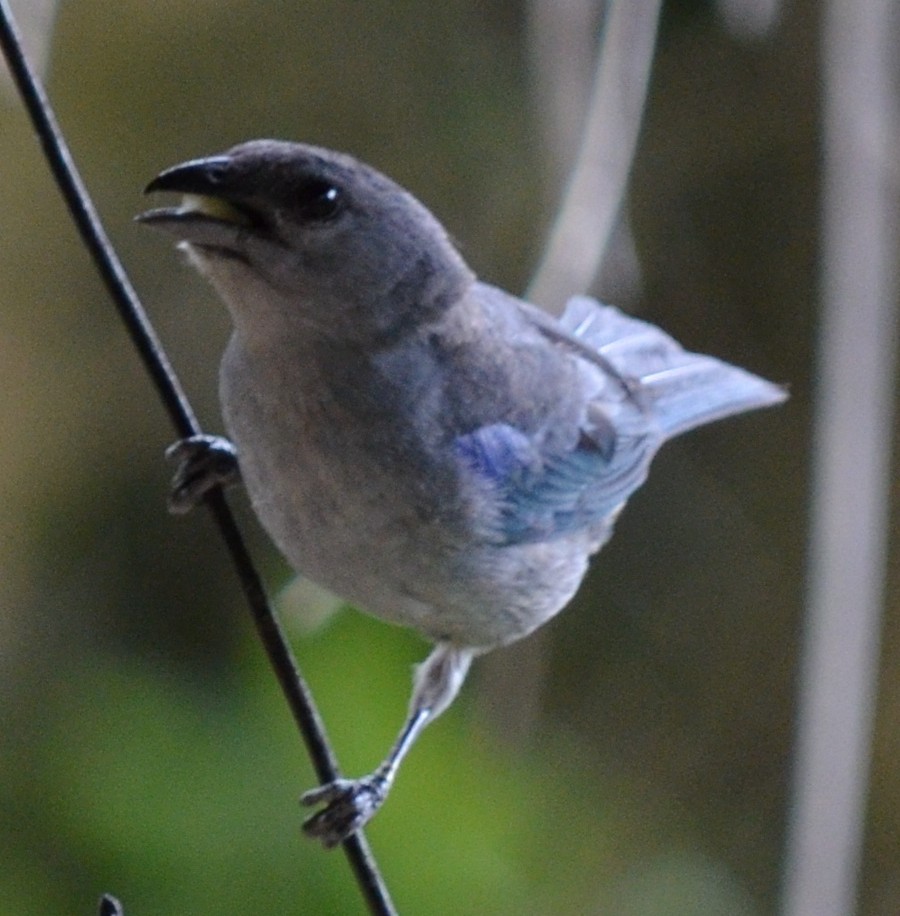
point(318, 200)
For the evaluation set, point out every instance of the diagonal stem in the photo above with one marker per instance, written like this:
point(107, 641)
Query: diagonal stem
point(596, 186)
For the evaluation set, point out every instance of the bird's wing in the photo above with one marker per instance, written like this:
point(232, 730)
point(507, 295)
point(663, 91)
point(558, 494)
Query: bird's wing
point(537, 495)
point(643, 389)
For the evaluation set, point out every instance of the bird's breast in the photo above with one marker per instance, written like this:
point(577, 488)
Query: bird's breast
point(346, 494)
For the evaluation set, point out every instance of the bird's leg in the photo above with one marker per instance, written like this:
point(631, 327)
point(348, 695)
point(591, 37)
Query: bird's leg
point(351, 803)
point(204, 462)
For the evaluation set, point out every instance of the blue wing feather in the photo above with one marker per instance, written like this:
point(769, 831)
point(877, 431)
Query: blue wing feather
point(538, 497)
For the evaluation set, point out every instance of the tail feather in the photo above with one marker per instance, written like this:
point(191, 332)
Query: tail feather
point(683, 389)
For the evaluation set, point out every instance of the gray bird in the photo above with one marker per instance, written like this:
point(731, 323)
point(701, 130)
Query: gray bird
point(432, 449)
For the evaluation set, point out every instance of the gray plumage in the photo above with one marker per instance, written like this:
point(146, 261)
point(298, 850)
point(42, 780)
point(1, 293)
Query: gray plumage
point(432, 449)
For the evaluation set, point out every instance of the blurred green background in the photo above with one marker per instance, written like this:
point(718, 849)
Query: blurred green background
point(633, 758)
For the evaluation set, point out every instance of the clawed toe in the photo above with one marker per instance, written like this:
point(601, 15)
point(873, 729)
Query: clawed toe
point(349, 805)
point(204, 462)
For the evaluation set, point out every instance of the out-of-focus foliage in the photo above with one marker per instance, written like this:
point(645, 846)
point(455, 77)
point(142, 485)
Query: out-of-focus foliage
point(633, 758)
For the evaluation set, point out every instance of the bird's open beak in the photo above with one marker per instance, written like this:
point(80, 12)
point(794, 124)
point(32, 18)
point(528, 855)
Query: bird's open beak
point(206, 215)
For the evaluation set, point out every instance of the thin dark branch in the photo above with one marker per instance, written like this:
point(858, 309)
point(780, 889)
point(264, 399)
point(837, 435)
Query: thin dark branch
point(157, 365)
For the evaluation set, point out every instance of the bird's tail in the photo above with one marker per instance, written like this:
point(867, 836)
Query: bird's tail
point(683, 389)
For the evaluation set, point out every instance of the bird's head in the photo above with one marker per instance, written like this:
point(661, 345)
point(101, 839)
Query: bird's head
point(293, 233)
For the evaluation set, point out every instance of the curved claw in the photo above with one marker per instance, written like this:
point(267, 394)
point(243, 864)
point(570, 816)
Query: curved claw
point(204, 463)
point(349, 805)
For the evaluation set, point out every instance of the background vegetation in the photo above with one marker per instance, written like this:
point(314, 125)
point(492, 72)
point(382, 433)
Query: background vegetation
point(634, 758)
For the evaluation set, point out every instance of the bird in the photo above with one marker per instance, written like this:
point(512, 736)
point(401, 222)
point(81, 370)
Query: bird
point(430, 448)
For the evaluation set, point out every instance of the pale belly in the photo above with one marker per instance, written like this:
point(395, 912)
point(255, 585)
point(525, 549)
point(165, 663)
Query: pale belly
point(394, 537)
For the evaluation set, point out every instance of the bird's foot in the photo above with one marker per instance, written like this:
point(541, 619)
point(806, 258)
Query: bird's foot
point(204, 463)
point(349, 805)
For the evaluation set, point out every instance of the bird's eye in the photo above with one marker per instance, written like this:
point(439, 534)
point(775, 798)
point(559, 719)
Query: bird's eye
point(317, 201)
